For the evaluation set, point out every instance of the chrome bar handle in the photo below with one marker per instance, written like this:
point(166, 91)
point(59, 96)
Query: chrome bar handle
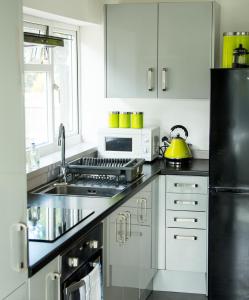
point(185, 202)
point(120, 235)
point(185, 237)
point(149, 79)
point(164, 79)
point(128, 225)
point(192, 185)
point(53, 276)
point(143, 209)
point(192, 220)
point(22, 265)
point(138, 208)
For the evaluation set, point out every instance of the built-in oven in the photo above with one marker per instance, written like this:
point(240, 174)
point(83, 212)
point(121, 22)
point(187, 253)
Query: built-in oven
point(81, 272)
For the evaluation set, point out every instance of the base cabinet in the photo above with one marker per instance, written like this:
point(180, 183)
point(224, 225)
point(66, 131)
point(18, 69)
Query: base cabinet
point(20, 294)
point(130, 247)
point(183, 226)
point(46, 283)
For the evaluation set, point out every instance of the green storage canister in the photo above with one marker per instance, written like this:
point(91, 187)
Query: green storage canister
point(231, 41)
point(125, 120)
point(137, 120)
point(114, 119)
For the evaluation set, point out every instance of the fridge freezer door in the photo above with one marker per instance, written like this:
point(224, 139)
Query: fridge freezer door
point(229, 128)
point(228, 258)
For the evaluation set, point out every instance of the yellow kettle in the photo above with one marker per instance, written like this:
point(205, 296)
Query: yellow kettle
point(177, 150)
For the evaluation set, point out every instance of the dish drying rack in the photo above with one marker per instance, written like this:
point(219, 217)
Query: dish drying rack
point(120, 169)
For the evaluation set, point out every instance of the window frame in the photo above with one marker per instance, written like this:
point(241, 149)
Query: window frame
point(74, 139)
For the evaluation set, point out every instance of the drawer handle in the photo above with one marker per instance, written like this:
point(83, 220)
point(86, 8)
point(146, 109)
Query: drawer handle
point(185, 237)
point(185, 202)
point(192, 185)
point(192, 220)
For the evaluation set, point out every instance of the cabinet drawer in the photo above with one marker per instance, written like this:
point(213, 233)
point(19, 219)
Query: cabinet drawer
point(196, 202)
point(142, 198)
point(186, 219)
point(186, 250)
point(138, 216)
point(187, 184)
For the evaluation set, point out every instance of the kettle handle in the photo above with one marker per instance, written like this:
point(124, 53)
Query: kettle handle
point(181, 127)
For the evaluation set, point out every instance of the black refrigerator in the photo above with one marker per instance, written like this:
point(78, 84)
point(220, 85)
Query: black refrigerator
point(228, 259)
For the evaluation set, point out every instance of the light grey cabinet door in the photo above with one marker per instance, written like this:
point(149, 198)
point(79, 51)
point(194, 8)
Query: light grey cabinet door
point(46, 283)
point(13, 186)
point(131, 51)
point(184, 50)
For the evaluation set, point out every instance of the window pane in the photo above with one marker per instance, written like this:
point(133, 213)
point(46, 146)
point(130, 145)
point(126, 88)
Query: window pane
point(36, 108)
point(65, 87)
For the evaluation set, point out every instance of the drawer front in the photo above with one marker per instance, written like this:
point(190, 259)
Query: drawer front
point(142, 198)
point(193, 202)
point(186, 250)
point(137, 216)
point(186, 219)
point(187, 184)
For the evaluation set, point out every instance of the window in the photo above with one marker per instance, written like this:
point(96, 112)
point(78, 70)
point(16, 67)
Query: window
point(51, 86)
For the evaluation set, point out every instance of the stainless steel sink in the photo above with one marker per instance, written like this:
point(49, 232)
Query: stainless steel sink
point(76, 190)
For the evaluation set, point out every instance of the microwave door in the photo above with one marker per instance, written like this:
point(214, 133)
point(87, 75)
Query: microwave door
point(122, 146)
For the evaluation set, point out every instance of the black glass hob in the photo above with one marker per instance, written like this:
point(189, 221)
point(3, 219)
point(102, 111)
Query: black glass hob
point(47, 224)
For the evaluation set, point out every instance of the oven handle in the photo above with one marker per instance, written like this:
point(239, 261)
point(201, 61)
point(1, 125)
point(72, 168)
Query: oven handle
point(77, 285)
point(73, 287)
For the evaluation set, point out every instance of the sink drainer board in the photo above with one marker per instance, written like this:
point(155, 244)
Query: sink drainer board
point(127, 169)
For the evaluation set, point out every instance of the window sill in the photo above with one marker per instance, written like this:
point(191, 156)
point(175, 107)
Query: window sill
point(48, 164)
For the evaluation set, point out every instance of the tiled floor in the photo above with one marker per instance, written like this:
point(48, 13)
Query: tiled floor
point(175, 296)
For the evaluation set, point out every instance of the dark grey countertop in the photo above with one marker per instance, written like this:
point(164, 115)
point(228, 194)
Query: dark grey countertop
point(41, 253)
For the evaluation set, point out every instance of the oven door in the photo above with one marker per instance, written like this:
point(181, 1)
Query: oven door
point(114, 144)
point(77, 286)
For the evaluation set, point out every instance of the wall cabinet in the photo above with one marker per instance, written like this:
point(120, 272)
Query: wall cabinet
point(131, 246)
point(159, 50)
point(46, 283)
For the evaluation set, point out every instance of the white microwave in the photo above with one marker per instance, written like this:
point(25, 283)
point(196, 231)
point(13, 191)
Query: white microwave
point(129, 143)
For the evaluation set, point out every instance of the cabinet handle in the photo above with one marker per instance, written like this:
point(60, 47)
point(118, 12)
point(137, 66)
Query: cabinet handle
point(192, 220)
point(185, 202)
point(120, 234)
point(164, 79)
point(141, 210)
point(21, 264)
point(185, 237)
point(149, 79)
point(128, 225)
point(192, 185)
point(53, 276)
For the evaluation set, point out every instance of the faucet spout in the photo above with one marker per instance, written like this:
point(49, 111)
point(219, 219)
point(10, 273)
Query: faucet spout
point(61, 142)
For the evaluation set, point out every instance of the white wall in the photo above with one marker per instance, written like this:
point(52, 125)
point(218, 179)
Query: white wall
point(74, 10)
point(193, 114)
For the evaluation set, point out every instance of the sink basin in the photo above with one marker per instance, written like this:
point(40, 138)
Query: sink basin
point(74, 190)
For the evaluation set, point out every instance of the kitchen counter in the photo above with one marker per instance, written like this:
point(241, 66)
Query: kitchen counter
point(196, 167)
point(41, 253)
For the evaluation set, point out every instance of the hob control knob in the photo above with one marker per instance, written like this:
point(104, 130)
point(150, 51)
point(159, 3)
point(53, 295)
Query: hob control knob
point(73, 262)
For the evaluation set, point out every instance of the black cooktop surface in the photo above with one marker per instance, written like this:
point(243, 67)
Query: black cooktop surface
point(47, 224)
